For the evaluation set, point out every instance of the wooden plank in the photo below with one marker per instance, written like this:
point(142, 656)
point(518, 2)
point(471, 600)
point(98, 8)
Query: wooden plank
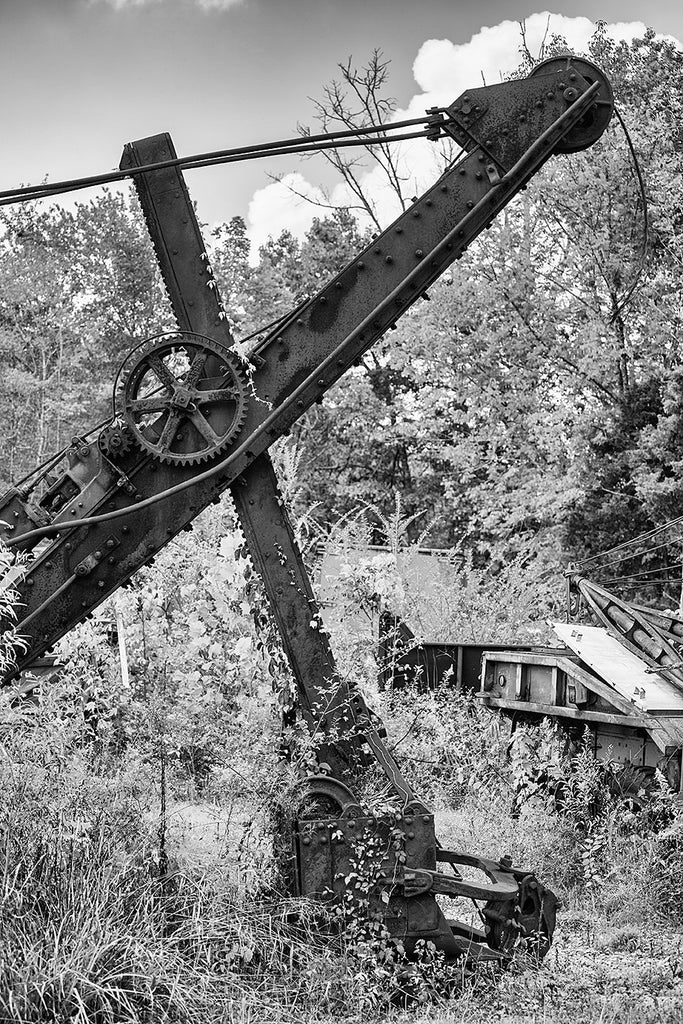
point(555, 710)
point(524, 657)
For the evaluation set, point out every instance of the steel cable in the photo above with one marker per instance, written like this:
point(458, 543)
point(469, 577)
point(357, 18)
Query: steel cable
point(297, 146)
point(636, 554)
point(645, 572)
point(627, 543)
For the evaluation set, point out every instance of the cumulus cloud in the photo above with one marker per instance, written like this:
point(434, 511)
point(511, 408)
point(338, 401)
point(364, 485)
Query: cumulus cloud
point(442, 71)
point(288, 204)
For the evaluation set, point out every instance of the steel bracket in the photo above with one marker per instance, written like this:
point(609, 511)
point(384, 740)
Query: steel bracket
point(91, 561)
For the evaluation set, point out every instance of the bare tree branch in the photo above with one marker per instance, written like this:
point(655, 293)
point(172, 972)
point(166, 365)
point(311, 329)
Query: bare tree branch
point(357, 101)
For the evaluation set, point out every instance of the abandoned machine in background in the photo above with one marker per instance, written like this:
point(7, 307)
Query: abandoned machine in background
point(194, 418)
point(617, 678)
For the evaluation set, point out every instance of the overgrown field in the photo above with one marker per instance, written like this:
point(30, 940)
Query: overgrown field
point(137, 870)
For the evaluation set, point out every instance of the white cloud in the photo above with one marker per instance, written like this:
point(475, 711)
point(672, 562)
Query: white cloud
point(218, 5)
point(280, 206)
point(442, 71)
point(119, 5)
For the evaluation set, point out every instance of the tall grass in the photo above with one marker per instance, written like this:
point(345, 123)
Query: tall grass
point(85, 940)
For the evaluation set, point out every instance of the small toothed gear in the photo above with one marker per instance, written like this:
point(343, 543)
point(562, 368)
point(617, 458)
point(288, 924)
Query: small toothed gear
point(115, 440)
point(184, 398)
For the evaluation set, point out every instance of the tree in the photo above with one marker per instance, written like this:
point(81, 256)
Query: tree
point(230, 262)
point(38, 344)
point(77, 291)
point(355, 101)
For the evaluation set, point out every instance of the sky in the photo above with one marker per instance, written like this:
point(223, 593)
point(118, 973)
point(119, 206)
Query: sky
point(80, 78)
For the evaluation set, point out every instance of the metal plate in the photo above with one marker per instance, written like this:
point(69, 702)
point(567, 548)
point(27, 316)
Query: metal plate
point(629, 676)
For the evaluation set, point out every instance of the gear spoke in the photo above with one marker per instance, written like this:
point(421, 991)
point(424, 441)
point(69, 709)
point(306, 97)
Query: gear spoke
point(195, 371)
point(146, 405)
point(228, 393)
point(168, 432)
point(162, 372)
point(204, 427)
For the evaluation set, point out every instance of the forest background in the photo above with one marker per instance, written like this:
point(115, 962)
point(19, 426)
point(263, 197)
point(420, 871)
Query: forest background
point(532, 411)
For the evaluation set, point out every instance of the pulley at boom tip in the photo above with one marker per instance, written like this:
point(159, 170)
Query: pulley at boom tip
point(598, 116)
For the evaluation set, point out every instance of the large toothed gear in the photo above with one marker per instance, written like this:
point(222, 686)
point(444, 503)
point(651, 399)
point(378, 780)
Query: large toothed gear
point(184, 398)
